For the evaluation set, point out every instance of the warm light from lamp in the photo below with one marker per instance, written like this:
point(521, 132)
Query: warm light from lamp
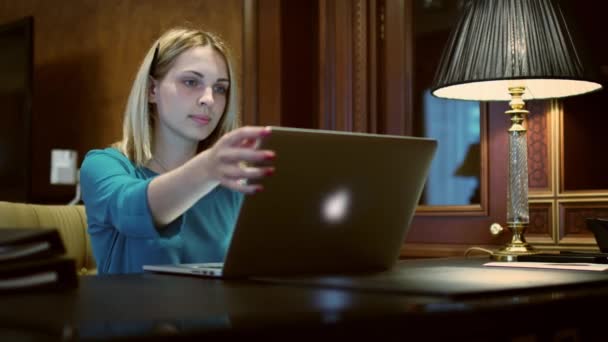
point(535, 89)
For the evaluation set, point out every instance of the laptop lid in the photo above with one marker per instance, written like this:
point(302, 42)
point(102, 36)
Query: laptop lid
point(338, 203)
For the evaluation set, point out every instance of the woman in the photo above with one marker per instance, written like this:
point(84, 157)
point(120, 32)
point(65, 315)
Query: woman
point(170, 191)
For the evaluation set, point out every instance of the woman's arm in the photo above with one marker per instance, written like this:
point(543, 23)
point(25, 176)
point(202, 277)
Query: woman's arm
point(172, 193)
point(113, 196)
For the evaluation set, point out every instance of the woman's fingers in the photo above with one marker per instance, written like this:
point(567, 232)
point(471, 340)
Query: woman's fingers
point(234, 172)
point(250, 143)
point(236, 155)
point(236, 137)
point(242, 186)
point(235, 151)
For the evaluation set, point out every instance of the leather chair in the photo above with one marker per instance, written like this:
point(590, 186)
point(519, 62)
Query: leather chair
point(69, 220)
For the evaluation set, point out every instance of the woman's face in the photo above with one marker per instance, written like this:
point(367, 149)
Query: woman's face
point(191, 98)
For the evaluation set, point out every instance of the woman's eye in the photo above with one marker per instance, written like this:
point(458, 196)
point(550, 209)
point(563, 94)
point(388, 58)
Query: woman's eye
point(191, 83)
point(220, 89)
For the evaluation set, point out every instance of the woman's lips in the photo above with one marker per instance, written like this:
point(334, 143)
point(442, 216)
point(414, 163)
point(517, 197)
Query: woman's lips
point(201, 119)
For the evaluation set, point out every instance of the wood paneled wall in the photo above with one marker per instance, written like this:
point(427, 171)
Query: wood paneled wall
point(86, 53)
point(332, 64)
point(364, 62)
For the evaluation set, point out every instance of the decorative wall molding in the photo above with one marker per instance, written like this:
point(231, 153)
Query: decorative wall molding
point(539, 146)
point(360, 66)
point(250, 113)
point(572, 214)
point(540, 229)
point(262, 61)
point(344, 65)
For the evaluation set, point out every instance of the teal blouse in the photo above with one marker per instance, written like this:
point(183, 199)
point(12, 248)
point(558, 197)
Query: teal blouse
point(120, 224)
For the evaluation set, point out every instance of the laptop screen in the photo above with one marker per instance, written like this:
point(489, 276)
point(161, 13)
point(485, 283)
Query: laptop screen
point(337, 202)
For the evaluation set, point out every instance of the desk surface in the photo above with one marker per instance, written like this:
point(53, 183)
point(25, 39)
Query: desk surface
point(414, 303)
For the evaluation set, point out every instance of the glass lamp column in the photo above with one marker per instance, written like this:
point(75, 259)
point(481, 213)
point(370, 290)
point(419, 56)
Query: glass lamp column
point(518, 216)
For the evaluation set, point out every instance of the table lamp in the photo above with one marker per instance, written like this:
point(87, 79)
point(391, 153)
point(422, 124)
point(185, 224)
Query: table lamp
point(513, 50)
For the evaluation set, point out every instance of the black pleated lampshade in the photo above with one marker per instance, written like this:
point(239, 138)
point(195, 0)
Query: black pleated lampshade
point(499, 44)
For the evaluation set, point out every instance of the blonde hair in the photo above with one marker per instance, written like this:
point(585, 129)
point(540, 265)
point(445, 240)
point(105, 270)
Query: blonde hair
point(136, 142)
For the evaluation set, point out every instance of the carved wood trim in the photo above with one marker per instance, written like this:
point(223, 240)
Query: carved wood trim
point(326, 95)
point(347, 65)
point(539, 148)
point(484, 171)
point(343, 81)
point(372, 71)
point(379, 122)
point(572, 214)
point(269, 62)
point(540, 229)
point(343, 65)
point(360, 66)
point(449, 210)
point(581, 194)
point(250, 63)
point(560, 111)
point(398, 65)
point(261, 101)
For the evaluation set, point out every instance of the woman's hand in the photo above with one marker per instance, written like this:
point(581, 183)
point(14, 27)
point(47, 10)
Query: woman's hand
point(230, 159)
point(226, 163)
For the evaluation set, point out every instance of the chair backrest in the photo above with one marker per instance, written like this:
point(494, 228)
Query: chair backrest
point(69, 220)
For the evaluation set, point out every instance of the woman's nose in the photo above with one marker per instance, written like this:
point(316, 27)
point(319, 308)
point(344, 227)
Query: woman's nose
point(206, 98)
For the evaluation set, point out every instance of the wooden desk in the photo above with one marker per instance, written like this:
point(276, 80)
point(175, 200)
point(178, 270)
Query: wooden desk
point(151, 306)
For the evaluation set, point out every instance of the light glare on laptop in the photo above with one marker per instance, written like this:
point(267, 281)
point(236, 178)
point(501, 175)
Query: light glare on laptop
point(336, 205)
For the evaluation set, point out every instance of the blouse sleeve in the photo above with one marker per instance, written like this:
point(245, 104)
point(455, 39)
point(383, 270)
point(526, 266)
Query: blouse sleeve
point(114, 196)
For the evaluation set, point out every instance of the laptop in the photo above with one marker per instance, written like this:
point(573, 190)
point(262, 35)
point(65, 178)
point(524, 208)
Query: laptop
point(339, 203)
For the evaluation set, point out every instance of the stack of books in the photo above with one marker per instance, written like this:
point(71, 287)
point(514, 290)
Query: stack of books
point(34, 259)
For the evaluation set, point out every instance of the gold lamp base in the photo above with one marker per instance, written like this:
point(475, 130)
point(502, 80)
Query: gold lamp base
point(518, 245)
point(510, 252)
